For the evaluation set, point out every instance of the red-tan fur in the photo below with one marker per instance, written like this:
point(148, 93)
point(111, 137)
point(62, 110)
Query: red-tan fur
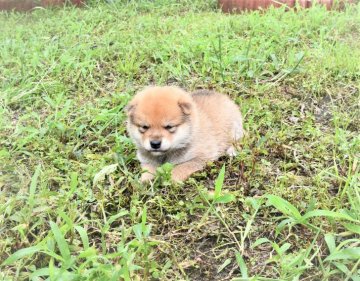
point(208, 125)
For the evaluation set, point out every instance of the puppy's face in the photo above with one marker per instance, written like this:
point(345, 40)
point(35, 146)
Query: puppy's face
point(159, 119)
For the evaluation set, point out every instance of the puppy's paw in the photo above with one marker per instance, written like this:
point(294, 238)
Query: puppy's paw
point(177, 179)
point(183, 171)
point(146, 177)
point(179, 175)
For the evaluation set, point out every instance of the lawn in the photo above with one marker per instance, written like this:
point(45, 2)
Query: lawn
point(287, 207)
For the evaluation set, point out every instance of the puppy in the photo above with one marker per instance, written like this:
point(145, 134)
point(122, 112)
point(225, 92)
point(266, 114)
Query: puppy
point(168, 124)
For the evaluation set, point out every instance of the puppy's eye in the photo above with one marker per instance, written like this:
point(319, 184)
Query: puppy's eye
point(170, 128)
point(143, 128)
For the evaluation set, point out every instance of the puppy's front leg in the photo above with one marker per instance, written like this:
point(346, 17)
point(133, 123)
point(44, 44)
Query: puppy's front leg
point(149, 173)
point(182, 171)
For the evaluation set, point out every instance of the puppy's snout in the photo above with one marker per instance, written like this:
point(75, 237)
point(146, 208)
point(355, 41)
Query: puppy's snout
point(155, 144)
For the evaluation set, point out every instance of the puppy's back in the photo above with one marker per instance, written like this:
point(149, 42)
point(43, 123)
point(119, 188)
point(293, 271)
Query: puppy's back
point(220, 121)
point(217, 107)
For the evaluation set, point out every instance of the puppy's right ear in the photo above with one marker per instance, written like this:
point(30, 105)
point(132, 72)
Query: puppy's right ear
point(129, 109)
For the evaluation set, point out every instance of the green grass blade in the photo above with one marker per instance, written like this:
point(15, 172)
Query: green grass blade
point(40, 272)
point(118, 215)
point(284, 206)
point(22, 253)
point(284, 223)
point(242, 265)
point(89, 252)
point(285, 247)
point(52, 269)
point(342, 267)
point(226, 198)
point(138, 231)
point(107, 170)
point(33, 186)
point(330, 242)
point(225, 264)
point(259, 242)
point(345, 254)
point(352, 227)
point(66, 218)
point(329, 214)
point(61, 242)
point(83, 235)
point(219, 182)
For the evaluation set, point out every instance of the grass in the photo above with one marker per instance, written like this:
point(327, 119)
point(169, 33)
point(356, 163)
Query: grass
point(71, 204)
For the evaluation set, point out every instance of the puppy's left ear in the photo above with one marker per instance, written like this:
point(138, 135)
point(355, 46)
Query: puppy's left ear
point(186, 105)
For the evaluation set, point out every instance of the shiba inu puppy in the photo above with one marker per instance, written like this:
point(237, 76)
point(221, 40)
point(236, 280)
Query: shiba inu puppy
point(168, 124)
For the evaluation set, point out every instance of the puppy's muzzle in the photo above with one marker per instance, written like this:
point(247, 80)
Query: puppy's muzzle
point(155, 144)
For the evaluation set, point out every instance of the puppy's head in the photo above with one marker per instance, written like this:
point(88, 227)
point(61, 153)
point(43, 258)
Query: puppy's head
point(159, 119)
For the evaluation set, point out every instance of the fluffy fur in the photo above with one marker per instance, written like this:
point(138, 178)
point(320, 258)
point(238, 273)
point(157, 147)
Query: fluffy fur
point(192, 128)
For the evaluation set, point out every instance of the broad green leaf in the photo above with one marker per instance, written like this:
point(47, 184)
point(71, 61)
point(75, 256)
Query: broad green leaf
point(52, 269)
point(330, 242)
point(89, 252)
point(326, 213)
point(284, 206)
point(276, 248)
point(283, 223)
point(259, 242)
point(345, 254)
point(352, 227)
point(255, 203)
point(219, 182)
point(342, 267)
point(66, 218)
point(225, 264)
point(247, 229)
point(107, 170)
point(138, 231)
point(285, 247)
point(54, 255)
point(355, 277)
point(50, 243)
point(84, 237)
point(146, 230)
point(115, 217)
point(61, 242)
point(242, 265)
point(226, 198)
point(21, 254)
point(40, 272)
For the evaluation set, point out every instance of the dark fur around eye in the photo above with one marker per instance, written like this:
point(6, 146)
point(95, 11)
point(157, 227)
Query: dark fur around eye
point(143, 128)
point(170, 128)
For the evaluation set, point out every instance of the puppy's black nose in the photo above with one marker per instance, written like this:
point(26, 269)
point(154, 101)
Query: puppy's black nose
point(155, 144)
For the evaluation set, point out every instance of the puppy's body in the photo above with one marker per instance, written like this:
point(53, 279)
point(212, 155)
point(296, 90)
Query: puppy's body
point(192, 129)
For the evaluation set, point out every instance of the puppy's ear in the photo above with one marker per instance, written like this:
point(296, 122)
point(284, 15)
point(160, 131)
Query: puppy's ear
point(129, 109)
point(186, 106)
